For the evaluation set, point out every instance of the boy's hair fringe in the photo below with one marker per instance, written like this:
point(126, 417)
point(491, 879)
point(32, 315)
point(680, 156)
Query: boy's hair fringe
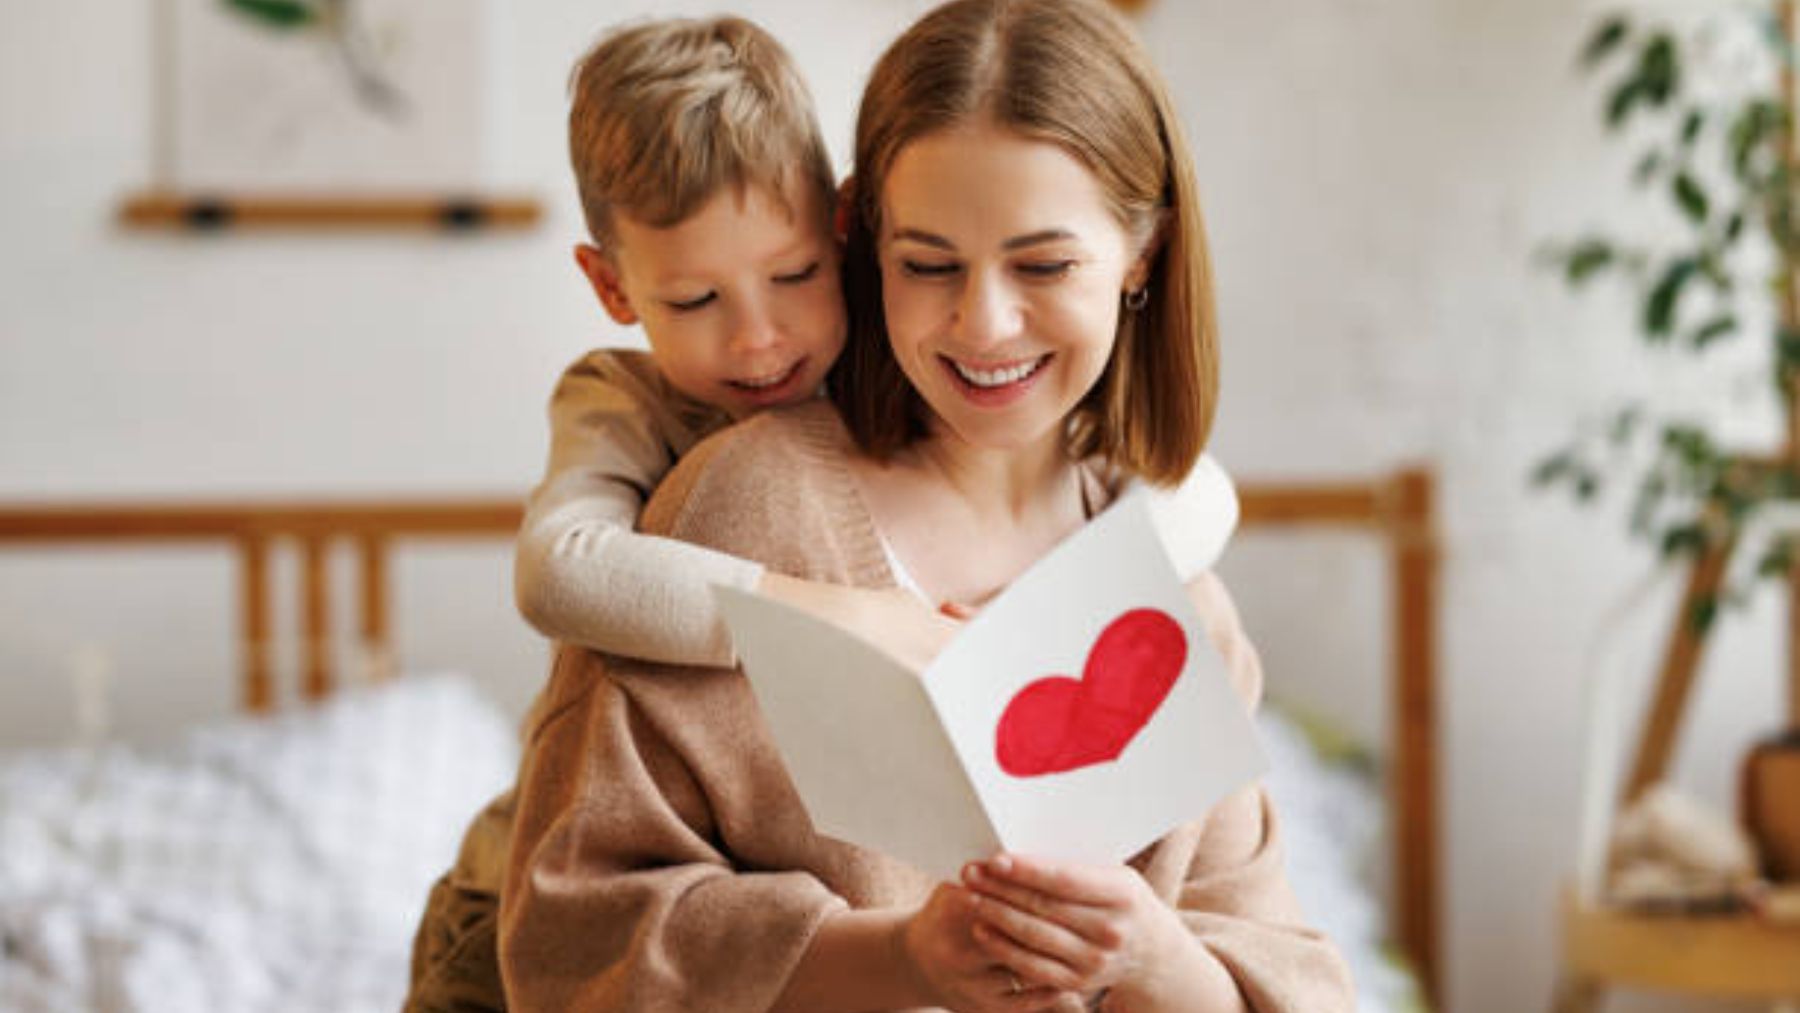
point(1070, 73)
point(665, 113)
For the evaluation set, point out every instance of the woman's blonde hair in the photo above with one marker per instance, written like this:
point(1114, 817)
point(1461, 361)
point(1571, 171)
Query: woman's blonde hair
point(666, 113)
point(1070, 73)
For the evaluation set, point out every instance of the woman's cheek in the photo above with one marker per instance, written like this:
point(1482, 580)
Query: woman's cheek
point(911, 312)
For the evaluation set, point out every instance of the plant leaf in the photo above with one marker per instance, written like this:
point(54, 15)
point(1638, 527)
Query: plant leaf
point(1660, 306)
point(1683, 538)
point(1624, 423)
point(1659, 69)
point(1721, 326)
point(1706, 609)
point(1605, 39)
point(1690, 197)
point(1553, 468)
point(1587, 257)
point(282, 14)
point(1690, 127)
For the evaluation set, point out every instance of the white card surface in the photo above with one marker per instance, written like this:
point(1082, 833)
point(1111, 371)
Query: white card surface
point(859, 736)
point(1080, 716)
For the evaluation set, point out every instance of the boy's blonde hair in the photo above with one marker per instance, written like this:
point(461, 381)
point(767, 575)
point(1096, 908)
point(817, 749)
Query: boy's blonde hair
point(667, 112)
point(1069, 73)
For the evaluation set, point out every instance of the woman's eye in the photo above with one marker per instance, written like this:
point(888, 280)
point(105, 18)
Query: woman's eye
point(1046, 268)
point(922, 269)
point(688, 305)
point(796, 277)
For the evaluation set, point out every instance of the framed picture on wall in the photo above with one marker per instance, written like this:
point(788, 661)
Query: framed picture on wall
point(324, 107)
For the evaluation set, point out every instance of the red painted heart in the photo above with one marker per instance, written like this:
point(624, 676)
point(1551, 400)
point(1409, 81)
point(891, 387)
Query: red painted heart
point(1057, 723)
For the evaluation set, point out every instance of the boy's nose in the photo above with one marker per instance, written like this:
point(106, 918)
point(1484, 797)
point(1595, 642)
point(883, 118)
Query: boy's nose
point(753, 330)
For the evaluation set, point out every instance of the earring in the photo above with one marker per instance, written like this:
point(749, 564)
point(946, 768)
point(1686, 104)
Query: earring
point(1137, 299)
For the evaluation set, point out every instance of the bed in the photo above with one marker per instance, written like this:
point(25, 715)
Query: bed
point(277, 860)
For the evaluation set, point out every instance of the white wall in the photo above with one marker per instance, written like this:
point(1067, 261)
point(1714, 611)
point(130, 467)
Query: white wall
point(1376, 172)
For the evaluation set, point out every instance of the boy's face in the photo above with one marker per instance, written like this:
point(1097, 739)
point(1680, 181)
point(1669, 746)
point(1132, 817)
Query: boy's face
point(740, 301)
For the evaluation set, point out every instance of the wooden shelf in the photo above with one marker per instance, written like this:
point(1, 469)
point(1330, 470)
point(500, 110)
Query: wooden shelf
point(1726, 955)
point(209, 212)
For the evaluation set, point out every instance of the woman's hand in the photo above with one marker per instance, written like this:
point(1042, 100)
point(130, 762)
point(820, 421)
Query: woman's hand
point(1075, 927)
point(937, 944)
point(892, 619)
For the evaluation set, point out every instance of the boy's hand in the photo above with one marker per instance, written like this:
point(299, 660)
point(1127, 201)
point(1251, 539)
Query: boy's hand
point(1075, 927)
point(892, 619)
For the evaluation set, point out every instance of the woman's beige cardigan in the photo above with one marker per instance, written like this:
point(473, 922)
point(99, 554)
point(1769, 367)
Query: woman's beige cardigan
point(660, 857)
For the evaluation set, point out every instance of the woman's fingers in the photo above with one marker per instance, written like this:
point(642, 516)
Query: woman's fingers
point(1094, 885)
point(1035, 969)
point(1088, 924)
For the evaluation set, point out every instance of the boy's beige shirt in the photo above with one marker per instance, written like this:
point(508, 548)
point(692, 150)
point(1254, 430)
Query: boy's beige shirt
point(581, 573)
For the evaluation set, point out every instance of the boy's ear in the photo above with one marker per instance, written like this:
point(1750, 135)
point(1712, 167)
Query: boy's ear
point(846, 206)
point(603, 275)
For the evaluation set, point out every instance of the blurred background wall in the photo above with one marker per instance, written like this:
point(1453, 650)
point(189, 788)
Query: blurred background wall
point(1377, 175)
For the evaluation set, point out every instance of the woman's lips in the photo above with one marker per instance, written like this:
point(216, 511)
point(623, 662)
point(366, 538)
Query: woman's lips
point(994, 385)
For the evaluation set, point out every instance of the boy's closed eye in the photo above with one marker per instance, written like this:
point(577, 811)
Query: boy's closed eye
point(800, 277)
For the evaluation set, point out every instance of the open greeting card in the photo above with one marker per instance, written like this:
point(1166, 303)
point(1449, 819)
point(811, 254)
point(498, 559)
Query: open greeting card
point(1080, 716)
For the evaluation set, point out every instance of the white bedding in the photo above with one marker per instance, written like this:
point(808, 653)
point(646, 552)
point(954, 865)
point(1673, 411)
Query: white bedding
point(1333, 823)
point(282, 865)
point(272, 865)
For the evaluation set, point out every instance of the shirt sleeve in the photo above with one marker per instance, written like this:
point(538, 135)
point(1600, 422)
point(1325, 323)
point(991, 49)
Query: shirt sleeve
point(582, 574)
point(1196, 518)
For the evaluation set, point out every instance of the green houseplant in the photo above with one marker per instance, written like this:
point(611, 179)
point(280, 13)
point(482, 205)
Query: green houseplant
point(1726, 164)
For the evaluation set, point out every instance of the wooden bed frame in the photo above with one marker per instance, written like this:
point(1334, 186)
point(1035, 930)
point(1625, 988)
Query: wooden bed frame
point(1397, 509)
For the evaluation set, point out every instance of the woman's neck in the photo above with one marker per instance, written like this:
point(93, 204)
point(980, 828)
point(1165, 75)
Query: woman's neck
point(1009, 485)
point(966, 521)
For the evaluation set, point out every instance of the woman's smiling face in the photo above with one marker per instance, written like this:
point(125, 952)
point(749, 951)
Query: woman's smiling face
point(1002, 269)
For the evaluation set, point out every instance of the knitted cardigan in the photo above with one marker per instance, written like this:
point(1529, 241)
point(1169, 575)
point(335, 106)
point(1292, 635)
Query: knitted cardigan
point(661, 858)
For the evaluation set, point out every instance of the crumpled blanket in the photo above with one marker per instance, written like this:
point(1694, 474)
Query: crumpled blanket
point(262, 864)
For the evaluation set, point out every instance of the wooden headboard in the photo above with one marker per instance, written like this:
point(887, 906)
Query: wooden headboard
point(1397, 510)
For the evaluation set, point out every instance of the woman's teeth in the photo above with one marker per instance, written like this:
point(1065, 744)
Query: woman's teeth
point(997, 377)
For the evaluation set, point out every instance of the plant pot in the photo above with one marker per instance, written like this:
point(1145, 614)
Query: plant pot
point(1771, 804)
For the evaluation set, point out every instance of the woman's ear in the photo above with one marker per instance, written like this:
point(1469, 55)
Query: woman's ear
point(603, 275)
point(1139, 274)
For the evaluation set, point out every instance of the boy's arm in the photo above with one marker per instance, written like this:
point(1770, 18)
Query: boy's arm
point(582, 574)
point(1196, 518)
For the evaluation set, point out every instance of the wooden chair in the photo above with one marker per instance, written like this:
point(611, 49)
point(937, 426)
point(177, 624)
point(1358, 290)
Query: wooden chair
point(1725, 955)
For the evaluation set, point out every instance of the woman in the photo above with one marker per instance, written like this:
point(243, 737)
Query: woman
point(1027, 224)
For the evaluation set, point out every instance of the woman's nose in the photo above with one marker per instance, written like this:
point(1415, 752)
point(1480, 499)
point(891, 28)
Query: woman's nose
point(988, 312)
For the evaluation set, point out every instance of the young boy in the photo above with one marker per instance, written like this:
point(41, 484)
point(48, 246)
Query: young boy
point(709, 196)
point(708, 193)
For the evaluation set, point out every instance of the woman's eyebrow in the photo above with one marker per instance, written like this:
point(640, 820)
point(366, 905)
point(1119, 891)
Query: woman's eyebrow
point(1015, 243)
point(925, 238)
point(1034, 238)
